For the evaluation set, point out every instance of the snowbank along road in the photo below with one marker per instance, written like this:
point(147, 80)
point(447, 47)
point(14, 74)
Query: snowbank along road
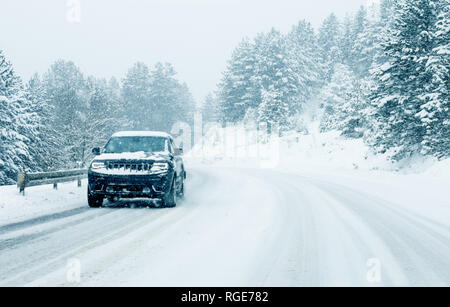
point(236, 227)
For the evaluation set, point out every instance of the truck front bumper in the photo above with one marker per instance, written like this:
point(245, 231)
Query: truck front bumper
point(130, 185)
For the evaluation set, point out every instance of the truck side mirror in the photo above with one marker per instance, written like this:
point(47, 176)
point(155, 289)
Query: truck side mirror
point(178, 151)
point(96, 151)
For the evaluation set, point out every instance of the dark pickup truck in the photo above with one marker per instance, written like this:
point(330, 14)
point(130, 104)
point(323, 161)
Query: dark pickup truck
point(137, 164)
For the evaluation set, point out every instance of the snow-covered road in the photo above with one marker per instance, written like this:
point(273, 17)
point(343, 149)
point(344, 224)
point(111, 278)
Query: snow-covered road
point(237, 227)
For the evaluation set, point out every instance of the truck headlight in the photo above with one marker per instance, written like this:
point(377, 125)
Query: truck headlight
point(159, 167)
point(97, 165)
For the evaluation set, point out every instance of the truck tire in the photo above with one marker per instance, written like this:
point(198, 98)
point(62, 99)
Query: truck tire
point(170, 200)
point(181, 190)
point(94, 201)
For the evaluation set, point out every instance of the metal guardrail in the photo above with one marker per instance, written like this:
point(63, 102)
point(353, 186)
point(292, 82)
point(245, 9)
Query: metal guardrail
point(25, 180)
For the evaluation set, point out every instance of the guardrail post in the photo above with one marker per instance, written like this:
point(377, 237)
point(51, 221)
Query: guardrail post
point(21, 182)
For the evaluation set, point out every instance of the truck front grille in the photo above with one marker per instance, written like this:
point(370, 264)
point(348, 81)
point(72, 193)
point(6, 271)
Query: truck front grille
point(128, 167)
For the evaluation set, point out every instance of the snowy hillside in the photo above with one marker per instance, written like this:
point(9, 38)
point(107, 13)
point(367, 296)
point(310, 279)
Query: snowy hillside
point(327, 151)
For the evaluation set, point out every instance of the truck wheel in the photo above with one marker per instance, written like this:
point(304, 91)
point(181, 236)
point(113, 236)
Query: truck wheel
point(170, 200)
point(181, 191)
point(94, 201)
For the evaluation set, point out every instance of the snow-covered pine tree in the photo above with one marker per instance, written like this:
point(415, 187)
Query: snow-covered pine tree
point(364, 47)
point(274, 109)
point(360, 22)
point(401, 80)
point(155, 100)
point(97, 120)
point(163, 98)
point(14, 112)
point(379, 30)
point(302, 47)
point(328, 39)
point(357, 42)
point(347, 40)
point(278, 80)
point(343, 104)
point(210, 109)
point(186, 103)
point(238, 89)
point(65, 88)
point(386, 11)
point(135, 95)
point(435, 109)
point(116, 106)
point(170, 100)
point(43, 145)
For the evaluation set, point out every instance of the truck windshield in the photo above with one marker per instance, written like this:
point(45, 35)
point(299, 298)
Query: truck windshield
point(136, 144)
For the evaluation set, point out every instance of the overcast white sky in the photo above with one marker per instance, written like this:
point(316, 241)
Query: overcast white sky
point(197, 36)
